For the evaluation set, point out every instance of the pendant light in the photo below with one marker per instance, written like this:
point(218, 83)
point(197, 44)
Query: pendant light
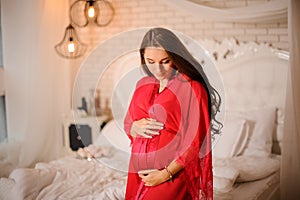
point(99, 12)
point(70, 46)
point(81, 13)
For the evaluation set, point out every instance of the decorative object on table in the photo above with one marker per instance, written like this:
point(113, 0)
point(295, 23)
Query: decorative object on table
point(83, 105)
point(91, 103)
point(99, 12)
point(98, 103)
point(107, 110)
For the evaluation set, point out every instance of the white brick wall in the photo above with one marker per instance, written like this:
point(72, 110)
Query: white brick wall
point(131, 14)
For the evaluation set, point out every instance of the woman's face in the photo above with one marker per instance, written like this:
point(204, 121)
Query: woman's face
point(159, 63)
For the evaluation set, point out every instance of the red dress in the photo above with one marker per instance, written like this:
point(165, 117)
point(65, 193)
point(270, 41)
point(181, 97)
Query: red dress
point(182, 107)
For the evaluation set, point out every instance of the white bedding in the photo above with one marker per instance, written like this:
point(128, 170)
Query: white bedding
point(76, 178)
point(104, 177)
point(245, 175)
point(66, 178)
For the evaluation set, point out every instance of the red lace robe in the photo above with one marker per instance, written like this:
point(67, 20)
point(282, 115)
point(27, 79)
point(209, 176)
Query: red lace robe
point(182, 107)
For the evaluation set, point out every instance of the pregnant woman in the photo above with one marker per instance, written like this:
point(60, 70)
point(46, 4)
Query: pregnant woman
point(170, 121)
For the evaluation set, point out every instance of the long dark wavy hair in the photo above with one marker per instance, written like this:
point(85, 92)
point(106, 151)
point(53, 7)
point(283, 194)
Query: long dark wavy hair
point(184, 63)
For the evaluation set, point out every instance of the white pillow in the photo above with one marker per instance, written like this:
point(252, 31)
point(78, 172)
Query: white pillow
point(249, 168)
point(254, 168)
point(261, 138)
point(222, 184)
point(224, 178)
point(114, 138)
point(113, 135)
point(233, 138)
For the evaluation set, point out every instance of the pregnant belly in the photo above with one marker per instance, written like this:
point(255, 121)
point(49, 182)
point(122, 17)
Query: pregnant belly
point(154, 153)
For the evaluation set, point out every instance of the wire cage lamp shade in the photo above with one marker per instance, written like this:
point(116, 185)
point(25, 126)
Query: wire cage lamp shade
point(70, 46)
point(100, 12)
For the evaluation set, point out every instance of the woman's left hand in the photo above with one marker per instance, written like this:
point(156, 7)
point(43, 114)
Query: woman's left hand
point(153, 177)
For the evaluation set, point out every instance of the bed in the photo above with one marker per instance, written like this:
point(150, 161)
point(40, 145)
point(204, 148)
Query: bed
point(246, 157)
point(247, 154)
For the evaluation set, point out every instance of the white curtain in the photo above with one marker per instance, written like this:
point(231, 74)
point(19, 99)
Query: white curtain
point(271, 11)
point(36, 79)
point(290, 173)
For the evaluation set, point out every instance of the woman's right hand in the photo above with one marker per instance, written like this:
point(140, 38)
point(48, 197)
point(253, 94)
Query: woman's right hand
point(146, 127)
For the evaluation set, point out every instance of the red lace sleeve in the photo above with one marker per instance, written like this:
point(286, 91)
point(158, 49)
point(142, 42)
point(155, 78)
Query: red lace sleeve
point(196, 157)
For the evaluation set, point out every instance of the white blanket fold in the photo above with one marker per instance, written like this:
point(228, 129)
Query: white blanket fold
point(66, 178)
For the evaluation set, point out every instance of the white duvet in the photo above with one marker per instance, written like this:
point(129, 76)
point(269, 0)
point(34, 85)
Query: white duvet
point(105, 177)
point(66, 178)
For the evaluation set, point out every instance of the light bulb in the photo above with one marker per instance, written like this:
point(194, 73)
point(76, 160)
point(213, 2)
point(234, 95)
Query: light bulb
point(91, 12)
point(71, 46)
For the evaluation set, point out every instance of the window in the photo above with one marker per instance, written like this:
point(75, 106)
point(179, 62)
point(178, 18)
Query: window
point(3, 129)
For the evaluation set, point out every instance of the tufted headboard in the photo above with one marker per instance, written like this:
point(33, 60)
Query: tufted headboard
point(254, 76)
